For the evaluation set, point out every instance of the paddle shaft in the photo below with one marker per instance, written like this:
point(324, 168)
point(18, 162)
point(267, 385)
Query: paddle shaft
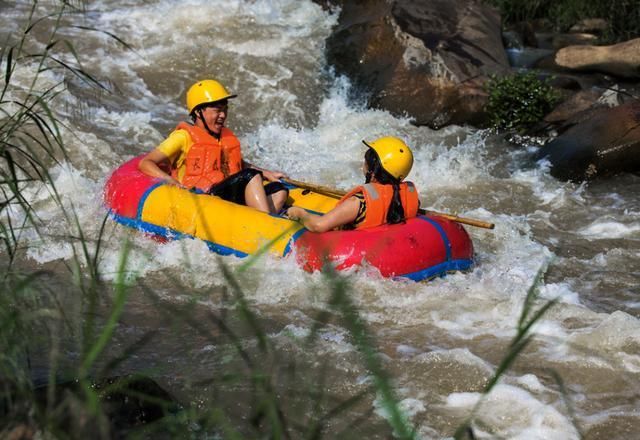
point(332, 192)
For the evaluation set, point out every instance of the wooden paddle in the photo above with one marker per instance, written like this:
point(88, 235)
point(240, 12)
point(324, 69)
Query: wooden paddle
point(332, 192)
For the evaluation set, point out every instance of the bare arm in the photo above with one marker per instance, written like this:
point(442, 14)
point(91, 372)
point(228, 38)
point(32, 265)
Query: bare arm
point(150, 166)
point(342, 214)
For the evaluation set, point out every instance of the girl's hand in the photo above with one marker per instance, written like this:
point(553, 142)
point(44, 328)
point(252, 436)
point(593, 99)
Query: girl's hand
point(294, 213)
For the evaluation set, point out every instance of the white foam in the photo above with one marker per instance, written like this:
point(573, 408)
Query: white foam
point(514, 413)
point(608, 229)
point(561, 292)
point(615, 339)
point(549, 191)
point(459, 356)
point(531, 383)
point(410, 407)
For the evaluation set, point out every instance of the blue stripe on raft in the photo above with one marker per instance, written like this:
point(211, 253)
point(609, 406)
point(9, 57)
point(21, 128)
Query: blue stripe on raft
point(148, 227)
point(225, 251)
point(439, 270)
point(143, 199)
point(443, 235)
point(291, 241)
point(172, 234)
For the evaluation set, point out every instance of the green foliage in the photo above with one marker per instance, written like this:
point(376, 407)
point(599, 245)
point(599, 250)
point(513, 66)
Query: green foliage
point(519, 101)
point(623, 16)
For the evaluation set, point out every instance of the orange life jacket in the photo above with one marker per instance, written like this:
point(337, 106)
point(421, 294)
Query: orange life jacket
point(209, 160)
point(378, 198)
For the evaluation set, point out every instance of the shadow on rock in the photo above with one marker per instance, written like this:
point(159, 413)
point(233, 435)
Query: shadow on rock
point(606, 143)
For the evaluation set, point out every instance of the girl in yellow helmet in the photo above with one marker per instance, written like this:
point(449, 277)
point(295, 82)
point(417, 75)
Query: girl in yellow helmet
point(384, 198)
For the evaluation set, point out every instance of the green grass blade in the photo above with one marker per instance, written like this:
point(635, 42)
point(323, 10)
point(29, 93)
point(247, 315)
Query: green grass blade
point(8, 71)
point(121, 290)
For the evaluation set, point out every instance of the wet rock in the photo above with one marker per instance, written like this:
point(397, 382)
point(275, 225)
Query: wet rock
point(424, 59)
point(622, 60)
point(606, 143)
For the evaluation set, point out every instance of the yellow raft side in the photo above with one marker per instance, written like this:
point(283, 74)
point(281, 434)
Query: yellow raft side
point(228, 224)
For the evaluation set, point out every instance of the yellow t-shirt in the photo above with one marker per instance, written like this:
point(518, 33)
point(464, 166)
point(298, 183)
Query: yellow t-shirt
point(175, 147)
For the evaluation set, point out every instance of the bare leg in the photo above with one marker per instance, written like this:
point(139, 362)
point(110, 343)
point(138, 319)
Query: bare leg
point(254, 195)
point(277, 200)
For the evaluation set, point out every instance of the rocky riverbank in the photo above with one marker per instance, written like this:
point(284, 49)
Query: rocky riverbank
point(430, 60)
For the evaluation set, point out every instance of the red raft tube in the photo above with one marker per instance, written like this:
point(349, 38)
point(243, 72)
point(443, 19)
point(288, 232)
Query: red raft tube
point(423, 247)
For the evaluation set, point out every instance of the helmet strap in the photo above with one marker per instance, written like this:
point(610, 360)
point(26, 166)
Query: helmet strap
point(199, 114)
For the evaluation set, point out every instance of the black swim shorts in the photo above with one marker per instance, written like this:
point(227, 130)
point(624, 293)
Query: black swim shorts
point(232, 188)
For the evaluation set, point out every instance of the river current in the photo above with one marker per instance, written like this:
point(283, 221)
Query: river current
point(441, 339)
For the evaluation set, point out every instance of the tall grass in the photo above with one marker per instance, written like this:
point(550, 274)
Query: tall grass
point(33, 318)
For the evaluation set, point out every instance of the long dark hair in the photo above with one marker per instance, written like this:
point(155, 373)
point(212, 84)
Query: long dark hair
point(395, 214)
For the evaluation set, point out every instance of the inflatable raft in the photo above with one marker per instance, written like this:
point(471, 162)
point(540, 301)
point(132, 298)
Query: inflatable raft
point(421, 248)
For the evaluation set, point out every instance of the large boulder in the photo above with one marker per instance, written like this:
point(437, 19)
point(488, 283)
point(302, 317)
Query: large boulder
point(622, 60)
point(606, 143)
point(426, 59)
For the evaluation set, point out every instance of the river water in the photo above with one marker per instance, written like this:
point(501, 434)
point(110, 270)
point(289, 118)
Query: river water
point(441, 340)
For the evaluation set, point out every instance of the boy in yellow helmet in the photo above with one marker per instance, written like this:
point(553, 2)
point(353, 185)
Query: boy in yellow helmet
point(206, 155)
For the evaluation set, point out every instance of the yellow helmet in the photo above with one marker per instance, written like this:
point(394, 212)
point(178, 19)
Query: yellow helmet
point(395, 156)
point(206, 91)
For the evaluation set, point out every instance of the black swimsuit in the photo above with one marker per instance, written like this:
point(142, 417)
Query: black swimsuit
point(362, 210)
